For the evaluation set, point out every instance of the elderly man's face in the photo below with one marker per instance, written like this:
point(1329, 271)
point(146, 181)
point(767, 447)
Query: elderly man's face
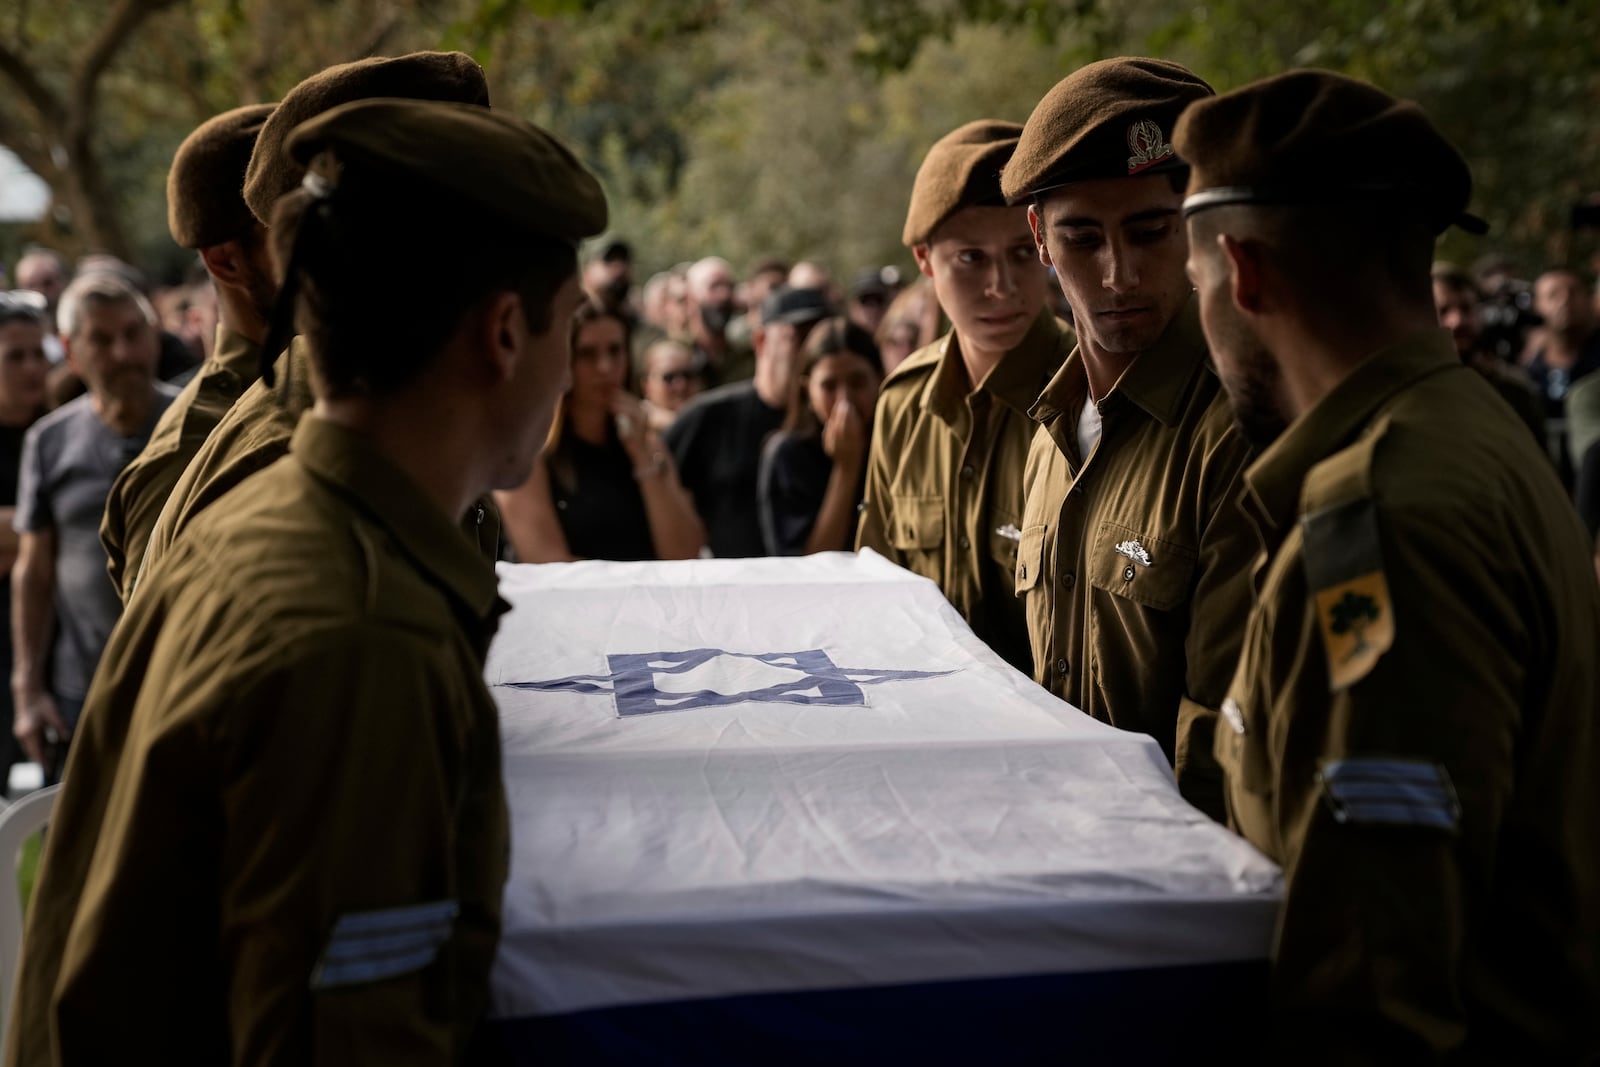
point(114, 349)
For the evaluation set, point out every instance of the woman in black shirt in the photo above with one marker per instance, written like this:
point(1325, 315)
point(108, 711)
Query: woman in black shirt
point(813, 470)
point(605, 486)
point(24, 368)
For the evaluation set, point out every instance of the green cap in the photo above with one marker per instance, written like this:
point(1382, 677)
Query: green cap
point(205, 206)
point(502, 165)
point(1315, 137)
point(449, 76)
point(961, 170)
point(1110, 119)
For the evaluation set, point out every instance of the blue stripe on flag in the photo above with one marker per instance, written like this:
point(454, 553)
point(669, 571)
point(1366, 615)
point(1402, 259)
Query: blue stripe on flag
point(1088, 1018)
point(1395, 792)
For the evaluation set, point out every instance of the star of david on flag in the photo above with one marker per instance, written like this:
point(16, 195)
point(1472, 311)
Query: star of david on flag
point(810, 677)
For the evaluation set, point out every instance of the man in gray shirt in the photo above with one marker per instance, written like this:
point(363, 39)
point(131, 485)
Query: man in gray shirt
point(63, 603)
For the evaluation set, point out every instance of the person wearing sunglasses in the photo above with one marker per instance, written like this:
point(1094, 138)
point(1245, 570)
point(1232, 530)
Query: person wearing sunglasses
point(672, 377)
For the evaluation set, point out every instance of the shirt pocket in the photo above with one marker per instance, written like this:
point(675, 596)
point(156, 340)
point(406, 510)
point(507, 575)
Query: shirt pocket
point(918, 524)
point(1030, 558)
point(1139, 566)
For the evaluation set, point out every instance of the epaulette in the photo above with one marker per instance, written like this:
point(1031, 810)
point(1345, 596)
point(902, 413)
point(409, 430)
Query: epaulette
point(1344, 560)
point(920, 362)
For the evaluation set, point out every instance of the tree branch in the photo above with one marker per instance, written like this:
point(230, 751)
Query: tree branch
point(28, 146)
point(32, 87)
point(96, 57)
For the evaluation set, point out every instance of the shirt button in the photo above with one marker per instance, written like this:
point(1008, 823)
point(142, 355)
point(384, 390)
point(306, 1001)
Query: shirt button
point(965, 542)
point(967, 471)
point(1061, 666)
point(1067, 580)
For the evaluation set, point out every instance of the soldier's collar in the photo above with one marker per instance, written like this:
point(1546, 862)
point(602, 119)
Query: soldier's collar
point(237, 354)
point(433, 541)
point(1273, 482)
point(1157, 381)
point(1015, 381)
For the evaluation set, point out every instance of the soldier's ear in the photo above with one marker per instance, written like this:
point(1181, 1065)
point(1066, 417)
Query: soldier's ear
point(1036, 224)
point(924, 258)
point(503, 334)
point(1246, 271)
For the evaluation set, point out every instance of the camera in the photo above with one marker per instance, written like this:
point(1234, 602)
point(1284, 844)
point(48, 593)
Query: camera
point(1506, 315)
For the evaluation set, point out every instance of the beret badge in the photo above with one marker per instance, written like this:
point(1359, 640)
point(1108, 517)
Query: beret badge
point(1148, 146)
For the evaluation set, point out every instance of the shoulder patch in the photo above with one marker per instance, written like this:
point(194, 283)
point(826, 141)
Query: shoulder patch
point(370, 946)
point(1382, 790)
point(1344, 561)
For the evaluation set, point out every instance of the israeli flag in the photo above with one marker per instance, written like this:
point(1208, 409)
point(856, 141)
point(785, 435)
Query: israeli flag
point(783, 810)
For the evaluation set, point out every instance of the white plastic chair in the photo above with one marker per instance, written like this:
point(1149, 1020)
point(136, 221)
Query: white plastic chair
point(17, 823)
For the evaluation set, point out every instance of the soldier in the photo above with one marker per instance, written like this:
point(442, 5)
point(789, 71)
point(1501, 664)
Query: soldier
point(944, 471)
point(1412, 728)
point(1134, 555)
point(207, 212)
point(256, 430)
point(305, 845)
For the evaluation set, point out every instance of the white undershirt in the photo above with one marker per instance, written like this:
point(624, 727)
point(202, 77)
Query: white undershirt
point(1088, 428)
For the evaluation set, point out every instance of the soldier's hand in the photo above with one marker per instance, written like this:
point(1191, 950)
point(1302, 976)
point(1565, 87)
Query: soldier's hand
point(38, 726)
point(844, 438)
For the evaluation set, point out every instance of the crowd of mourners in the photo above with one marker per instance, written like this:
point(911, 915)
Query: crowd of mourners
point(1159, 400)
point(711, 413)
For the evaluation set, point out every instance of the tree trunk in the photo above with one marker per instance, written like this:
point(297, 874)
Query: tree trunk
point(63, 152)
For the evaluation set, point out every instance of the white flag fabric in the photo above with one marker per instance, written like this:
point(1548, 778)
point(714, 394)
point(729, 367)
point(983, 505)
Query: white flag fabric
point(735, 777)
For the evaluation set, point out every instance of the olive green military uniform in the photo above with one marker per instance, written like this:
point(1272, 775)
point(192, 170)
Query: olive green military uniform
point(1414, 731)
point(1134, 559)
point(140, 491)
point(217, 886)
point(944, 476)
point(253, 434)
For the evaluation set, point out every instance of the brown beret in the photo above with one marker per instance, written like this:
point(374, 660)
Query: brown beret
point(1311, 136)
point(205, 198)
point(962, 169)
point(493, 161)
point(1110, 119)
point(447, 76)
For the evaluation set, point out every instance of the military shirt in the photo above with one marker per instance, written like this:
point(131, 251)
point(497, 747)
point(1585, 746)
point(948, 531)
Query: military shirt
point(252, 436)
point(944, 476)
point(142, 488)
point(1134, 564)
point(1412, 729)
point(283, 836)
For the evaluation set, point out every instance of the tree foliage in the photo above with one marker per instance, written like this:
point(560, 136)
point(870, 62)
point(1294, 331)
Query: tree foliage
point(746, 127)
